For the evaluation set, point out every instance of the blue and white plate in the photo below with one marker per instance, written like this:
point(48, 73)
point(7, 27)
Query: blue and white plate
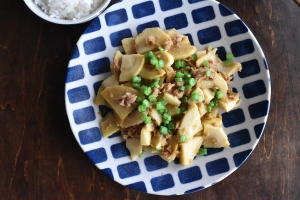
point(205, 22)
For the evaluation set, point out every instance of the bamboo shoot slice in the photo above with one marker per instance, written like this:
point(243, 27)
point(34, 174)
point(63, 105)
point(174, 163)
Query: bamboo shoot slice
point(216, 137)
point(155, 115)
point(229, 70)
point(171, 99)
point(189, 150)
point(108, 125)
point(149, 72)
point(99, 98)
point(183, 51)
point(210, 56)
point(129, 45)
point(165, 56)
point(131, 66)
point(170, 74)
point(111, 95)
point(110, 81)
point(208, 95)
point(207, 125)
point(160, 37)
point(190, 123)
point(134, 118)
point(134, 146)
point(146, 134)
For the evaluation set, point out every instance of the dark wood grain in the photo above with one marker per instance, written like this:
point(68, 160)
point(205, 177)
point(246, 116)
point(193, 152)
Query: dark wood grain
point(39, 157)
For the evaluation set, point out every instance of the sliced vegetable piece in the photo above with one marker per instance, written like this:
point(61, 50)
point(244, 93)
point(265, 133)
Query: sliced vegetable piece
point(171, 99)
point(189, 150)
point(150, 149)
point(108, 125)
point(119, 121)
point(199, 54)
point(155, 115)
point(146, 134)
point(208, 95)
point(182, 51)
point(206, 84)
point(134, 146)
point(178, 37)
point(208, 123)
point(216, 137)
point(150, 39)
point(185, 40)
point(165, 56)
point(172, 110)
point(110, 81)
point(117, 61)
point(212, 114)
point(134, 118)
point(99, 98)
point(190, 123)
point(156, 139)
point(173, 32)
point(227, 105)
point(210, 56)
point(221, 84)
point(196, 96)
point(111, 95)
point(131, 66)
point(231, 69)
point(129, 45)
point(149, 72)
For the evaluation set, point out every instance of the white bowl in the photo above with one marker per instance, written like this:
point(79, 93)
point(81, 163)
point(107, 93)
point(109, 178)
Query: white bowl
point(36, 9)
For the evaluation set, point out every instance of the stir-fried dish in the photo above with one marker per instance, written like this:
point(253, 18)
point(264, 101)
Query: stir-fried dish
point(165, 95)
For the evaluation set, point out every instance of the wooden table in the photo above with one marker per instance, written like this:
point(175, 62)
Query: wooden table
point(39, 157)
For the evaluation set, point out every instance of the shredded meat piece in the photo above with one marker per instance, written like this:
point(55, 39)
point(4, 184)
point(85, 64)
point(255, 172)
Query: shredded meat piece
point(179, 83)
point(126, 100)
point(117, 67)
point(177, 38)
point(155, 91)
point(168, 148)
point(167, 87)
point(213, 64)
point(199, 73)
point(232, 95)
point(189, 63)
point(226, 78)
point(213, 76)
point(164, 140)
point(132, 131)
point(167, 45)
point(166, 152)
point(177, 93)
point(150, 40)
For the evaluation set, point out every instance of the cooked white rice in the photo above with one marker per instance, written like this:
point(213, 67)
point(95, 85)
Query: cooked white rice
point(68, 9)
